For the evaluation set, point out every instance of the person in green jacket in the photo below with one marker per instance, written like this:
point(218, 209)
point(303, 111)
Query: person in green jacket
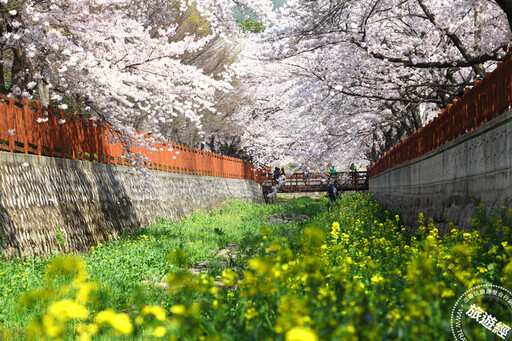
point(333, 172)
point(353, 169)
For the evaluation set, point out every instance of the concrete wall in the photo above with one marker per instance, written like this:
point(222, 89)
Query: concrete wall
point(448, 183)
point(90, 201)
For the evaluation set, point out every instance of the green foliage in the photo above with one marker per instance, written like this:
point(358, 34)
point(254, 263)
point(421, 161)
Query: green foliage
point(351, 272)
point(60, 238)
point(251, 25)
point(3, 242)
point(135, 267)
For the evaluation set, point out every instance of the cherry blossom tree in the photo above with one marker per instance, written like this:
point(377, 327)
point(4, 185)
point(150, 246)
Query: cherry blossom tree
point(327, 81)
point(126, 62)
point(355, 77)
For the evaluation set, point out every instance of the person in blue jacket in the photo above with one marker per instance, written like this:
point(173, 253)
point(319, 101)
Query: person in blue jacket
point(277, 174)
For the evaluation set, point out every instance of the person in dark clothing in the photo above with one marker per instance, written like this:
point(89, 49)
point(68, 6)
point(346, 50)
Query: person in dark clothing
point(277, 174)
point(332, 191)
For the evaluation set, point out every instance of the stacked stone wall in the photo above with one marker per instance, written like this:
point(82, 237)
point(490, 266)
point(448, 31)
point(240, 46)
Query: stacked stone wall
point(57, 205)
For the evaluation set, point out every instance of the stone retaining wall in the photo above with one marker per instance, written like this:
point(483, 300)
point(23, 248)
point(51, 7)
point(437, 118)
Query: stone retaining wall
point(448, 183)
point(86, 203)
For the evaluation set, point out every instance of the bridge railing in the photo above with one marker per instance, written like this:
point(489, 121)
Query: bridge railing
point(27, 127)
point(304, 182)
point(489, 98)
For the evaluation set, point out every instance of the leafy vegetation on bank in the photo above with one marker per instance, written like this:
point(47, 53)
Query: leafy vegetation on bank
point(349, 271)
point(137, 265)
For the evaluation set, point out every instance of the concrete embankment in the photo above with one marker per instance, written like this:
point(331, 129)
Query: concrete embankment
point(449, 183)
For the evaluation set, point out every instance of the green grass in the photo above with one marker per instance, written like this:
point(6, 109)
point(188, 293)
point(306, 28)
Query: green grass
point(347, 272)
point(130, 264)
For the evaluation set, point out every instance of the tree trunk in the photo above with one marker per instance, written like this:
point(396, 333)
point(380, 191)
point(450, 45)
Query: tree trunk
point(18, 74)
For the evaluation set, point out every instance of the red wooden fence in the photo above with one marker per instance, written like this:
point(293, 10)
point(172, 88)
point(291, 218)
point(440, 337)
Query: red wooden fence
point(489, 98)
point(28, 128)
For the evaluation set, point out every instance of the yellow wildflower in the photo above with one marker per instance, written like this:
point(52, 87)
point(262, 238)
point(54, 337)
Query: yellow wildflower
point(83, 294)
point(158, 312)
point(85, 331)
point(120, 322)
point(229, 277)
point(159, 331)
point(178, 309)
point(66, 310)
point(51, 327)
point(301, 334)
point(377, 279)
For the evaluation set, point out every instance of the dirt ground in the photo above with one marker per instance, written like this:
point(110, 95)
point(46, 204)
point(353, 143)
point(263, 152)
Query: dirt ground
point(314, 195)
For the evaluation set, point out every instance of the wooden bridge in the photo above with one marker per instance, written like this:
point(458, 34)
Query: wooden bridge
point(315, 182)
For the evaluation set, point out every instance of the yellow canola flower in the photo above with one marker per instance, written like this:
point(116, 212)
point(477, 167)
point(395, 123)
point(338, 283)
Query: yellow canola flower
point(214, 291)
point(335, 232)
point(229, 277)
point(84, 337)
point(66, 310)
point(178, 309)
point(66, 266)
point(301, 334)
point(85, 331)
point(139, 320)
point(83, 294)
point(158, 312)
point(507, 275)
point(250, 313)
point(82, 328)
point(120, 322)
point(159, 331)
point(51, 327)
point(259, 265)
point(481, 269)
point(447, 293)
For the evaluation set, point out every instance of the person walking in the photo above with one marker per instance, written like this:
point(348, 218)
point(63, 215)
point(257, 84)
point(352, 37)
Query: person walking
point(332, 191)
point(305, 176)
point(353, 170)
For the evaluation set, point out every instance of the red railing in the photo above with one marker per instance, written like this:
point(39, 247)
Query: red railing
point(489, 98)
point(81, 138)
